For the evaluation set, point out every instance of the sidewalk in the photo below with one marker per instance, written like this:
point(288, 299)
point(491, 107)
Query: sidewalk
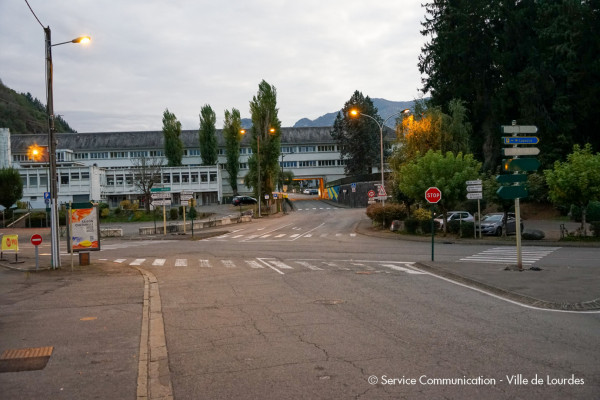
point(560, 288)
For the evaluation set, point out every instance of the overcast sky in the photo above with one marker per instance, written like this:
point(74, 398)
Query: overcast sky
point(148, 55)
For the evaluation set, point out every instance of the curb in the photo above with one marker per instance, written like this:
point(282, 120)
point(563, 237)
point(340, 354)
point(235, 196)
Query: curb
point(593, 305)
point(154, 376)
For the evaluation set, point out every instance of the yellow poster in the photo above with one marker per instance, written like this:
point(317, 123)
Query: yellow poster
point(10, 242)
point(84, 229)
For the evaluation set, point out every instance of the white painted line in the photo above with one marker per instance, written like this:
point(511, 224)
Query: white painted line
point(236, 236)
point(120, 260)
point(159, 262)
point(253, 264)
point(137, 261)
point(309, 265)
point(280, 235)
point(228, 263)
point(308, 235)
point(295, 235)
point(269, 232)
point(402, 269)
point(265, 236)
point(204, 264)
point(270, 266)
point(181, 262)
point(309, 231)
point(353, 234)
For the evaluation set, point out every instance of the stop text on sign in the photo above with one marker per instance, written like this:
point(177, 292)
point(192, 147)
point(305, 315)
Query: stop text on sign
point(433, 195)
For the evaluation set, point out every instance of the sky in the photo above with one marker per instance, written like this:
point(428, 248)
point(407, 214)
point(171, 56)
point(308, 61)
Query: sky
point(150, 55)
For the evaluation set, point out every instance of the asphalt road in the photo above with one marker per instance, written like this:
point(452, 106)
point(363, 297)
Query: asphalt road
point(302, 307)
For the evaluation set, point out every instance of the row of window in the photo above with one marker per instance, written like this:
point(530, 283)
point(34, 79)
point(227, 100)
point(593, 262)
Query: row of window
point(301, 164)
point(114, 178)
point(41, 179)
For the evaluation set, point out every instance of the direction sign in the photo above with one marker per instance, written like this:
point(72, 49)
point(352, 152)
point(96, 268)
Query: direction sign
point(186, 197)
point(514, 178)
point(162, 189)
point(475, 182)
point(371, 193)
point(520, 140)
point(520, 151)
point(161, 202)
point(475, 196)
point(474, 188)
point(519, 129)
point(36, 239)
point(520, 164)
point(185, 203)
point(433, 195)
point(161, 195)
point(186, 193)
point(512, 192)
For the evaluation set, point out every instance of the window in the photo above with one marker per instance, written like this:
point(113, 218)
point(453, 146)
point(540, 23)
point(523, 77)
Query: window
point(342, 162)
point(129, 179)
point(99, 155)
point(221, 152)
point(243, 165)
point(307, 163)
point(203, 177)
point(306, 149)
point(33, 181)
point(194, 177)
point(82, 156)
point(193, 152)
point(64, 179)
point(118, 154)
point(288, 149)
point(288, 164)
point(44, 180)
point(156, 153)
point(213, 176)
point(326, 148)
point(326, 163)
point(85, 176)
point(74, 176)
point(176, 178)
point(166, 178)
point(185, 177)
point(138, 154)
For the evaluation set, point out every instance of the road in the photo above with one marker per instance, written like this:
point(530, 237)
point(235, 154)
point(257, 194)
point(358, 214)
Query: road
point(302, 307)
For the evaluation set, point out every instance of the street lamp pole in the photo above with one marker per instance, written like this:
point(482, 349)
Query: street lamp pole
point(355, 112)
point(52, 142)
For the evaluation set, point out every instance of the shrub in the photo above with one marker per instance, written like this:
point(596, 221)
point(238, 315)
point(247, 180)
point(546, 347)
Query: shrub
point(592, 212)
point(103, 206)
point(422, 214)
point(104, 212)
point(411, 225)
point(467, 229)
point(426, 225)
point(192, 214)
point(456, 226)
point(125, 205)
point(595, 228)
point(173, 214)
point(118, 211)
point(392, 211)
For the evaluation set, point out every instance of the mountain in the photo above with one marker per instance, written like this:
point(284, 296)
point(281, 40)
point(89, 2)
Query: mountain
point(385, 108)
point(23, 113)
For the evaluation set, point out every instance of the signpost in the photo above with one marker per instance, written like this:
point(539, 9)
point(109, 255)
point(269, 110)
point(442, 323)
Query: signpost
point(433, 195)
point(514, 184)
point(474, 192)
point(36, 240)
point(161, 199)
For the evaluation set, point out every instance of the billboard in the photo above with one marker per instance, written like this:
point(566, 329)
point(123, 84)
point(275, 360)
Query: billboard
point(83, 227)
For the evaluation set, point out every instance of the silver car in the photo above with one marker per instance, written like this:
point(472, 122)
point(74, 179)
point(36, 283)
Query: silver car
point(493, 224)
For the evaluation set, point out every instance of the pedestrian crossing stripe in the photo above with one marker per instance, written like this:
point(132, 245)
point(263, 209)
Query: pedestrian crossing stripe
point(280, 266)
point(529, 255)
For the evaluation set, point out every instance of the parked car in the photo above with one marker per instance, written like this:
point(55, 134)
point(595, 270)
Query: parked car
point(493, 224)
point(239, 200)
point(454, 216)
point(311, 191)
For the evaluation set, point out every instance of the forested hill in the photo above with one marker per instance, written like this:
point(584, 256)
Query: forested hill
point(23, 113)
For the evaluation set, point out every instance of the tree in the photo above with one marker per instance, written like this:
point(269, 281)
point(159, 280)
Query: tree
point(231, 133)
point(207, 136)
point(11, 187)
point(358, 138)
point(146, 172)
point(172, 134)
point(447, 172)
point(576, 181)
point(266, 133)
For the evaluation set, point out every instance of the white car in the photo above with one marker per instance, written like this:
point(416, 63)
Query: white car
point(454, 216)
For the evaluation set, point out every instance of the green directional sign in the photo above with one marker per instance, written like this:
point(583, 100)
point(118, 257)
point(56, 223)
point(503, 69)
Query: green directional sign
point(512, 192)
point(162, 189)
point(520, 164)
point(514, 178)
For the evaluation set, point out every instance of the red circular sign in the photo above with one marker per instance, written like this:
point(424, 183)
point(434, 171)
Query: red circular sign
point(36, 240)
point(433, 195)
point(371, 193)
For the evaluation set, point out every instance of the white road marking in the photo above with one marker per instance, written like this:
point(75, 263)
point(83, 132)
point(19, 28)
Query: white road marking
point(253, 264)
point(228, 263)
point(120, 260)
point(159, 262)
point(309, 265)
point(137, 261)
point(181, 262)
point(402, 269)
point(280, 235)
point(204, 264)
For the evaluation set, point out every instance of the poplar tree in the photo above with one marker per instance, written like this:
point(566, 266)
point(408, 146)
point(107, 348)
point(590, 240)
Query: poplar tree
point(172, 135)
point(233, 137)
point(207, 136)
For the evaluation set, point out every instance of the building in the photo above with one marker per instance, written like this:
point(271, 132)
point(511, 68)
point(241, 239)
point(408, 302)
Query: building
point(101, 166)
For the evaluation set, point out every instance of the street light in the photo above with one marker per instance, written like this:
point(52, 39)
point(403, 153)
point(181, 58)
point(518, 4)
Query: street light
point(355, 113)
point(52, 142)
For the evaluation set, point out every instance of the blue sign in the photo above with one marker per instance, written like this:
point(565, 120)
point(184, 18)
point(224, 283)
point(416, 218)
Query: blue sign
point(46, 195)
point(520, 140)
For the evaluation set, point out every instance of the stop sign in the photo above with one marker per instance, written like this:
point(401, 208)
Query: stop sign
point(36, 240)
point(433, 195)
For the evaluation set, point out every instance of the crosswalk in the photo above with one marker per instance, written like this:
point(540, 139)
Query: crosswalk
point(508, 254)
point(318, 208)
point(274, 264)
point(238, 236)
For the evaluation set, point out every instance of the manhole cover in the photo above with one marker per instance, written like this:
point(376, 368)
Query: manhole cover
point(329, 302)
point(29, 359)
